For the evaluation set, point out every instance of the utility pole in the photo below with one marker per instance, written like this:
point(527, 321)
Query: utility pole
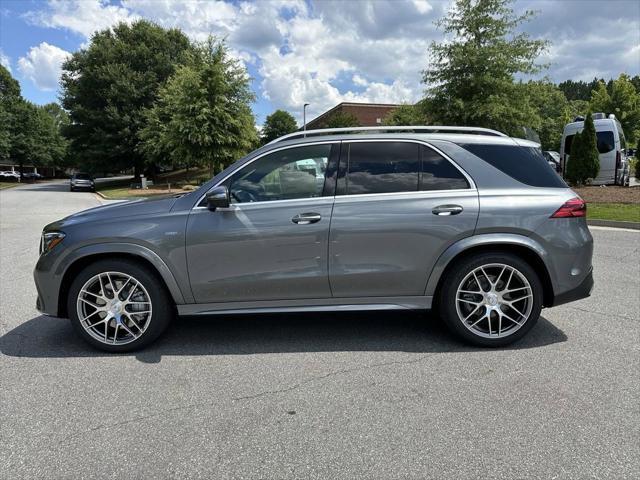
point(304, 118)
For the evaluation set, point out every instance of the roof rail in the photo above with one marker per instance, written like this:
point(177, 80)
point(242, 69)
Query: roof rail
point(412, 129)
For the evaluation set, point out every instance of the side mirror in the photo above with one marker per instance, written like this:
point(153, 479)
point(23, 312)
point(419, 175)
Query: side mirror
point(218, 197)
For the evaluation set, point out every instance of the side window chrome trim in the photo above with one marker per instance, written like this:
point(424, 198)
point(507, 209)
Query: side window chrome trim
point(306, 144)
point(236, 206)
point(418, 194)
point(472, 184)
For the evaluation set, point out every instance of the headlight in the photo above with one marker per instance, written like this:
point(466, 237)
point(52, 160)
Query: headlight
point(50, 240)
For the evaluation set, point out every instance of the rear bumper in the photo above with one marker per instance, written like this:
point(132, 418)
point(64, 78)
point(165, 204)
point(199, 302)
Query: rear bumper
point(581, 291)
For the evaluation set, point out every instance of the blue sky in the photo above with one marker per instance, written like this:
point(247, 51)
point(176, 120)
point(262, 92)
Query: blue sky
point(320, 52)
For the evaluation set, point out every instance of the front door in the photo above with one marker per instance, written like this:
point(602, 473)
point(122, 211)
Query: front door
point(271, 244)
point(398, 206)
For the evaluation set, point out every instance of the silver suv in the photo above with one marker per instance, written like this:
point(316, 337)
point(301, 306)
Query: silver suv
point(463, 219)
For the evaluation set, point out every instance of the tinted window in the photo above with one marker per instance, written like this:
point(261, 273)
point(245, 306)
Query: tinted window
point(568, 141)
point(382, 167)
point(438, 173)
point(606, 143)
point(288, 174)
point(525, 164)
point(82, 176)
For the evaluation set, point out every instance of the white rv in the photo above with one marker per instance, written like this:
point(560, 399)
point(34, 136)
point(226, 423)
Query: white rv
point(612, 149)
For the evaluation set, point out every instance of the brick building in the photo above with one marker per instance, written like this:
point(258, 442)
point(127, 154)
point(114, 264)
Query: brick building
point(368, 114)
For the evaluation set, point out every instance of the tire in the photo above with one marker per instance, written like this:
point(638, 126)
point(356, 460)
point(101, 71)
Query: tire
point(71, 189)
point(133, 319)
point(506, 323)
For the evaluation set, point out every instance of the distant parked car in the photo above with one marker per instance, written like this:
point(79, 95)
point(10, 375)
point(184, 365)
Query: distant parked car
point(553, 159)
point(31, 175)
point(81, 180)
point(9, 175)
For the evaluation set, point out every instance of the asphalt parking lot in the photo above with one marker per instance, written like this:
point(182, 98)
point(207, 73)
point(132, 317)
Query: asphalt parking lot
point(384, 395)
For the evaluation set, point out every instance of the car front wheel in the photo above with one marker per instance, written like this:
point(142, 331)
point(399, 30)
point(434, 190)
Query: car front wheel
point(119, 305)
point(491, 300)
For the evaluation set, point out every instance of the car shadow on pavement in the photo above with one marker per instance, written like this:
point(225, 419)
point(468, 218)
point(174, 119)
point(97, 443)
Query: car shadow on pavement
point(44, 337)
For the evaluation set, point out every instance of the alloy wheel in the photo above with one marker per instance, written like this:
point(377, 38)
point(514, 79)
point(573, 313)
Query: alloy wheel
point(494, 300)
point(114, 308)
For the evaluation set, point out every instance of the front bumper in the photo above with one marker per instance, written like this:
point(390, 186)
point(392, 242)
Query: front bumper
point(581, 291)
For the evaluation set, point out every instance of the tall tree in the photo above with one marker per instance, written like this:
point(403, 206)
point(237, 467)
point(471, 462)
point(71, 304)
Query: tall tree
point(277, 124)
point(203, 114)
point(470, 78)
point(578, 90)
point(623, 100)
point(28, 133)
point(405, 115)
point(9, 96)
point(107, 86)
point(341, 120)
point(552, 112)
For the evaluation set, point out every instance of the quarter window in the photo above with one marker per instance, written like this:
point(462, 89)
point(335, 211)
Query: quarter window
point(382, 167)
point(284, 175)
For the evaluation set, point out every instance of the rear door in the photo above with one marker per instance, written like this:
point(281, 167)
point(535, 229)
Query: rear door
point(398, 206)
point(607, 154)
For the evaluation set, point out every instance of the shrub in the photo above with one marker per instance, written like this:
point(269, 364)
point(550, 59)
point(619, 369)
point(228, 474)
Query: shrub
point(584, 163)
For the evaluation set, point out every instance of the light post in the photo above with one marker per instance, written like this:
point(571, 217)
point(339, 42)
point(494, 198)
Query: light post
point(304, 118)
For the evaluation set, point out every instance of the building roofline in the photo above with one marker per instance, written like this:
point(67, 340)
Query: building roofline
point(353, 104)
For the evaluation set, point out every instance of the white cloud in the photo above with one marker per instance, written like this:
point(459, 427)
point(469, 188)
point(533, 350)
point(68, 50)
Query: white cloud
point(83, 17)
point(329, 51)
point(43, 65)
point(5, 61)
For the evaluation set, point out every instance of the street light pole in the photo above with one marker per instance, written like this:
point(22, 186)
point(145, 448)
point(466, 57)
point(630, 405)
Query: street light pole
point(304, 118)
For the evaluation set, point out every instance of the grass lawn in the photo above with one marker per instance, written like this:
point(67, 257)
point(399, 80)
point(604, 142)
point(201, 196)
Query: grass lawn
point(625, 212)
point(4, 185)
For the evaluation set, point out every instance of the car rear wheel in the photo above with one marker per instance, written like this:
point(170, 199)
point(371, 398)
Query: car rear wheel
point(119, 305)
point(491, 300)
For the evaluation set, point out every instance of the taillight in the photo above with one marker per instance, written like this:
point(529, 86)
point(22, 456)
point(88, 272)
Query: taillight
point(576, 207)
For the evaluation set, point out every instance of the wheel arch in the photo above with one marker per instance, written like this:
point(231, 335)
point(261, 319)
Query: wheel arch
point(142, 255)
point(524, 247)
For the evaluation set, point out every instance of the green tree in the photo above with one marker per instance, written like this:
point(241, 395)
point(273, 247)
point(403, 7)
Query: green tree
point(107, 87)
point(28, 133)
point(623, 100)
point(203, 114)
point(9, 95)
point(578, 90)
point(59, 144)
point(341, 120)
point(584, 163)
point(405, 115)
point(552, 112)
point(470, 78)
point(277, 124)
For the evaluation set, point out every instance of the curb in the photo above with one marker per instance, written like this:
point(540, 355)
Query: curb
point(614, 224)
point(100, 195)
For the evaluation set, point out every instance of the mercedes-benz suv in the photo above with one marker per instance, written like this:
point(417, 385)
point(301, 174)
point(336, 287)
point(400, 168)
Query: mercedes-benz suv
point(467, 220)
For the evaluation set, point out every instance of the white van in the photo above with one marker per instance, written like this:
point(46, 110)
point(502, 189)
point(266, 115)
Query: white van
point(612, 147)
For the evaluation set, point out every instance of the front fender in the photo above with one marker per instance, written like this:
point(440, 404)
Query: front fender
point(127, 249)
point(488, 239)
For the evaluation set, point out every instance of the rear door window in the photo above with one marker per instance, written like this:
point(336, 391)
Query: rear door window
point(525, 164)
point(438, 173)
point(382, 167)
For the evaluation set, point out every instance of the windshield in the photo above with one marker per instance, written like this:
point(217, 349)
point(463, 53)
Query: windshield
point(82, 176)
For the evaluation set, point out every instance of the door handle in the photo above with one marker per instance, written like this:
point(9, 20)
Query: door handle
point(306, 218)
point(447, 210)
